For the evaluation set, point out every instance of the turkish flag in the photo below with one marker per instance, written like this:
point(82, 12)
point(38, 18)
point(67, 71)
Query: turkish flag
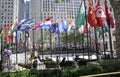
point(109, 16)
point(100, 15)
point(91, 15)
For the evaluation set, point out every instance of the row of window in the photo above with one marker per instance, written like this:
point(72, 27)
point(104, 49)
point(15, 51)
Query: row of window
point(6, 14)
point(6, 21)
point(7, 6)
point(7, 3)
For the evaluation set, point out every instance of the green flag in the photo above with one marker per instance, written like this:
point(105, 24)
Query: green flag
point(80, 19)
point(0, 29)
point(105, 28)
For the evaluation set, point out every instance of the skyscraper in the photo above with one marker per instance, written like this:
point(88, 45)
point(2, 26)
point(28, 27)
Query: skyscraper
point(56, 9)
point(9, 10)
point(27, 5)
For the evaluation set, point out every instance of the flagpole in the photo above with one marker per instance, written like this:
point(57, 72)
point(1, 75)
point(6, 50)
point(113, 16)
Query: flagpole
point(83, 45)
point(33, 44)
point(67, 45)
point(2, 45)
point(103, 41)
point(86, 29)
point(25, 48)
point(75, 36)
point(16, 46)
point(59, 44)
point(1, 49)
point(96, 42)
point(42, 41)
point(110, 39)
point(50, 44)
point(90, 43)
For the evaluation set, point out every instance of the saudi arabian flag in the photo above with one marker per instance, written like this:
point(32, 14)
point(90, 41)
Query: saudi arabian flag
point(80, 19)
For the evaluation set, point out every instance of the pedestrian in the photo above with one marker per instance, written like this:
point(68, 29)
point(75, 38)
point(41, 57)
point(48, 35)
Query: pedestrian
point(63, 62)
point(76, 61)
point(35, 63)
point(57, 62)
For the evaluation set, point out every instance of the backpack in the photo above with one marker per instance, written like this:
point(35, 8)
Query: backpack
point(35, 62)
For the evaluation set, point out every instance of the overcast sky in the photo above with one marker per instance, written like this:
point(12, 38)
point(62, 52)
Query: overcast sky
point(26, 0)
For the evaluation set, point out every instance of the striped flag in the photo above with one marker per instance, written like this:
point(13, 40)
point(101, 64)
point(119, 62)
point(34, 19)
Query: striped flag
point(47, 23)
point(13, 26)
point(72, 23)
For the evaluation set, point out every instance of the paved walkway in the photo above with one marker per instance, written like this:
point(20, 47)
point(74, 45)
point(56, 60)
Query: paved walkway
point(14, 68)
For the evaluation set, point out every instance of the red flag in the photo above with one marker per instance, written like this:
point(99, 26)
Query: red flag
point(91, 15)
point(109, 16)
point(86, 29)
point(47, 19)
point(100, 15)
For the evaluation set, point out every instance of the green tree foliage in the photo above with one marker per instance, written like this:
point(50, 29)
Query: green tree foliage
point(57, 1)
point(71, 38)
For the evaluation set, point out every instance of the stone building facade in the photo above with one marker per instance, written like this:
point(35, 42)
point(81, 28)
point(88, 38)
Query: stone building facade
point(116, 7)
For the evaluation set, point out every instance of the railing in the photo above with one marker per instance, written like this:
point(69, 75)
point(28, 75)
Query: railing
point(103, 74)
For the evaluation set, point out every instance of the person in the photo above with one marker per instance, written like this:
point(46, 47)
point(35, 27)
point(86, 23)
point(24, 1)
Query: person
point(39, 58)
point(35, 62)
point(57, 62)
point(63, 62)
point(76, 61)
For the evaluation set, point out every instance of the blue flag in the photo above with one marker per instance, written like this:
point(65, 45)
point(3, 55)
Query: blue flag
point(22, 21)
point(28, 22)
point(63, 27)
point(57, 30)
point(53, 27)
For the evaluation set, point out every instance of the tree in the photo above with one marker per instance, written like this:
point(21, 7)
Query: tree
point(71, 38)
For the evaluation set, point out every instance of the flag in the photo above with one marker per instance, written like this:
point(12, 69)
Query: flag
point(24, 28)
point(91, 15)
point(0, 30)
point(80, 19)
point(72, 23)
point(99, 30)
point(100, 15)
point(57, 30)
point(22, 21)
point(80, 29)
point(63, 26)
point(86, 28)
point(47, 23)
point(9, 38)
point(13, 26)
point(83, 28)
point(28, 22)
point(53, 27)
point(17, 38)
point(109, 16)
point(37, 25)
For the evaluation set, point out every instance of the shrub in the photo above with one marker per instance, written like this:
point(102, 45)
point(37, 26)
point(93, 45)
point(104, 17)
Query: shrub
point(110, 65)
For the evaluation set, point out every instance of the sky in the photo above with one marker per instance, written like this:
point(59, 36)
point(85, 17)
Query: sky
point(26, 0)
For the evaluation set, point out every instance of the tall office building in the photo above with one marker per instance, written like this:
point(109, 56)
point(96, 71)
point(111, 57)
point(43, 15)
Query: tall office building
point(56, 9)
point(9, 10)
point(27, 7)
